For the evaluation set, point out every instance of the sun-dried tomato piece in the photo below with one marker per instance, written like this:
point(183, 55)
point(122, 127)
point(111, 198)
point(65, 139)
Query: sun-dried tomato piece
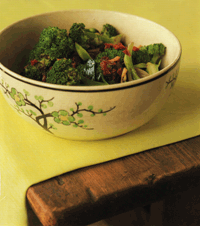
point(33, 62)
point(127, 52)
point(119, 46)
point(135, 48)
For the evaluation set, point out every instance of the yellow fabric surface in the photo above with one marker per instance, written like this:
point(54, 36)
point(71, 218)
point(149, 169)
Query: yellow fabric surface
point(28, 155)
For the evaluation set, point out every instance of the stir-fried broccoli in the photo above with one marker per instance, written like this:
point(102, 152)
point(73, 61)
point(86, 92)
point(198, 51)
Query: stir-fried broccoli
point(109, 30)
point(111, 53)
point(106, 67)
point(33, 72)
point(83, 36)
point(77, 33)
point(109, 63)
point(91, 37)
point(37, 69)
point(53, 43)
point(132, 75)
point(63, 73)
point(140, 56)
point(156, 51)
point(85, 56)
point(150, 55)
point(109, 34)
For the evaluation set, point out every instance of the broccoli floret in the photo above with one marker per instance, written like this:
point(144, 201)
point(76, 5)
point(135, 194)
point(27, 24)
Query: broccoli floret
point(156, 52)
point(141, 56)
point(150, 55)
point(33, 72)
point(84, 37)
point(37, 69)
point(109, 30)
point(63, 73)
point(77, 34)
point(53, 43)
point(109, 34)
point(91, 37)
point(110, 53)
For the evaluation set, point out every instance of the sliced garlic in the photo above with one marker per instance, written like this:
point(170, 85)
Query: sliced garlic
point(123, 75)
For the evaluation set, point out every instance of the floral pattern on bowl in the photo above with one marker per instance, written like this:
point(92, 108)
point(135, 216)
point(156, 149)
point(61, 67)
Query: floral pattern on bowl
point(67, 117)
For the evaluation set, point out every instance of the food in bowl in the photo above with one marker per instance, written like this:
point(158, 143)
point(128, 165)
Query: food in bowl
point(86, 112)
point(86, 56)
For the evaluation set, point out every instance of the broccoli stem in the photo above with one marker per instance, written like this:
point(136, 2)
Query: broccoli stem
point(152, 68)
point(140, 65)
point(99, 38)
point(84, 55)
point(103, 79)
point(132, 75)
point(92, 30)
point(155, 58)
point(114, 40)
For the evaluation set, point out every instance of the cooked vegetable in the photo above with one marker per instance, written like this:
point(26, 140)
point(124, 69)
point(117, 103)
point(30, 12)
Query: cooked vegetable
point(109, 30)
point(132, 75)
point(85, 56)
point(53, 43)
point(109, 63)
point(63, 73)
point(79, 34)
point(151, 55)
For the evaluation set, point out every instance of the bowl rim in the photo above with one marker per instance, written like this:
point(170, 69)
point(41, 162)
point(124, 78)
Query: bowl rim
point(100, 88)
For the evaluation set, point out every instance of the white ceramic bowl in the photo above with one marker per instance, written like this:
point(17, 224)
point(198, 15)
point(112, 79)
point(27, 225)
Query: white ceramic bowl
point(92, 112)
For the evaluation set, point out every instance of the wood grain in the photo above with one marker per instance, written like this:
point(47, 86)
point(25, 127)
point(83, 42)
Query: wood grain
point(97, 192)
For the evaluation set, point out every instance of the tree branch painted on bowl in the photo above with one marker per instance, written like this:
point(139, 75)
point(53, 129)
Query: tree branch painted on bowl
point(170, 83)
point(72, 117)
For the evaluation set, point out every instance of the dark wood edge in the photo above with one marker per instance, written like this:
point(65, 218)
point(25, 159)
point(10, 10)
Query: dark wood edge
point(97, 192)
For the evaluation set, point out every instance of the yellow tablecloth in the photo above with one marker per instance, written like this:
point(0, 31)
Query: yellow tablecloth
point(29, 157)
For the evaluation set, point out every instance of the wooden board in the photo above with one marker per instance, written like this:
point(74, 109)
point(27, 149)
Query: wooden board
point(97, 192)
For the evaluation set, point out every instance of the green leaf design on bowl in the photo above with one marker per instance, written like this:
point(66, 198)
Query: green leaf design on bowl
point(63, 113)
point(90, 107)
point(44, 105)
point(37, 113)
point(80, 121)
point(17, 97)
point(80, 115)
point(55, 114)
point(71, 118)
point(26, 92)
point(66, 123)
point(50, 103)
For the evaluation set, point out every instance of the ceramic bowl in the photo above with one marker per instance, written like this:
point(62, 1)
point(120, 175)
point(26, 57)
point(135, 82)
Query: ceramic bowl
point(92, 112)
